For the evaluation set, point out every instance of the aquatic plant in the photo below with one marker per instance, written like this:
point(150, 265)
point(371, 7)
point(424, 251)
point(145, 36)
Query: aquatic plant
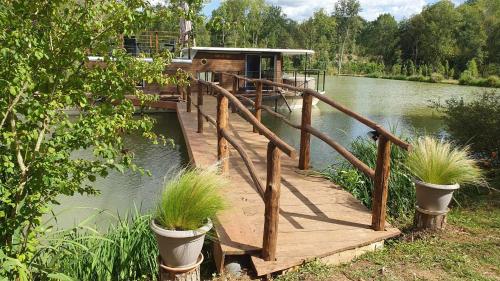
point(190, 199)
point(438, 162)
point(401, 198)
point(126, 251)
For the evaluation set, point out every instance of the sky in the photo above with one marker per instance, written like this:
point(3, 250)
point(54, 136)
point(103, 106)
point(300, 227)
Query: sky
point(302, 9)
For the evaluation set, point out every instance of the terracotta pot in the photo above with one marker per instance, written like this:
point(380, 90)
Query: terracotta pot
point(180, 248)
point(434, 197)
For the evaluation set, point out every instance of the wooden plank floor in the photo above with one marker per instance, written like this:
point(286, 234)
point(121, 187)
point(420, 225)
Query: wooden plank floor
point(317, 218)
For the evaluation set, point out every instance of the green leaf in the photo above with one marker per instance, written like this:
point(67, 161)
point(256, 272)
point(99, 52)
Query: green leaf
point(60, 276)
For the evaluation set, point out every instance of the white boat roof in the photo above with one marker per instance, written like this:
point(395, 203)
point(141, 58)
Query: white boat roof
point(290, 52)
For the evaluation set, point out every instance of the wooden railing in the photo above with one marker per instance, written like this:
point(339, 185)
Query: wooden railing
point(271, 193)
point(276, 146)
point(380, 175)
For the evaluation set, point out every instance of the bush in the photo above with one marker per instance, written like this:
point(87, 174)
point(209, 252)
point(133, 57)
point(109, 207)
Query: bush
point(401, 198)
point(128, 251)
point(436, 77)
point(493, 81)
point(475, 123)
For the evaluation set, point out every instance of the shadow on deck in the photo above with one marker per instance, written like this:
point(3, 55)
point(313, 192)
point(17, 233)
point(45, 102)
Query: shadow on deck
point(317, 218)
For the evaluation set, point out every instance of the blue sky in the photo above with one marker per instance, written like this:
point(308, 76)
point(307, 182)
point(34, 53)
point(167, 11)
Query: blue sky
point(302, 9)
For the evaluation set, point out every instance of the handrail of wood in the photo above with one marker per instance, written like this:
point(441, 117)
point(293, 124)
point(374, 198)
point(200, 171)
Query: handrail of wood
point(272, 112)
point(342, 151)
point(361, 119)
point(207, 117)
point(246, 159)
point(282, 145)
point(336, 105)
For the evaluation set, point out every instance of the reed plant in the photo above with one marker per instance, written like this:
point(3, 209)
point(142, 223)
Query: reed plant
point(190, 199)
point(126, 251)
point(438, 162)
point(401, 197)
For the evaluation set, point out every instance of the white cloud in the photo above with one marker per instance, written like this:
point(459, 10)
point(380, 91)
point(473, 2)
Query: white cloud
point(370, 9)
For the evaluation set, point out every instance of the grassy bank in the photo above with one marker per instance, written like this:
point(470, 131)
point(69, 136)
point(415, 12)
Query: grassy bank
point(490, 82)
point(466, 250)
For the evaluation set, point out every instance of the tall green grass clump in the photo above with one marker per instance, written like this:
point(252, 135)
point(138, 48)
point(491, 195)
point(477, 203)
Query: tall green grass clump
point(438, 162)
point(401, 197)
point(190, 199)
point(126, 251)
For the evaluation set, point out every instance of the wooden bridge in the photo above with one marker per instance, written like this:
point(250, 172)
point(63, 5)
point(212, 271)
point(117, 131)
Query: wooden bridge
point(279, 214)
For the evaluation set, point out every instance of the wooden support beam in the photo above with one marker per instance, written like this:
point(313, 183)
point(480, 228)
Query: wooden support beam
point(272, 202)
point(200, 107)
point(381, 183)
point(305, 136)
point(235, 92)
point(222, 123)
point(188, 90)
point(342, 151)
point(258, 104)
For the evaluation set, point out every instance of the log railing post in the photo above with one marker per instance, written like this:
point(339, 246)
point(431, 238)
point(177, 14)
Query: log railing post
point(235, 92)
point(222, 123)
point(188, 90)
point(381, 183)
point(200, 107)
point(271, 201)
point(305, 136)
point(258, 103)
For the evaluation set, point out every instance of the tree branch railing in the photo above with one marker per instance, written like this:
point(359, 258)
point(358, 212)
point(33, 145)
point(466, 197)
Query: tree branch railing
point(270, 193)
point(380, 175)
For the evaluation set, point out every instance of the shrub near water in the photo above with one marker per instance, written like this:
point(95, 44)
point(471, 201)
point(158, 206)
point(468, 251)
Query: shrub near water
point(401, 198)
point(190, 199)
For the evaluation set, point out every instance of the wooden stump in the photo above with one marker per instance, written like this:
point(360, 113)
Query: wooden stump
point(180, 274)
point(429, 220)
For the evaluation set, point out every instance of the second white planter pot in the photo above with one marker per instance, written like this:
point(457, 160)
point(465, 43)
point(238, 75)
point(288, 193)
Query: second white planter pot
point(180, 248)
point(434, 197)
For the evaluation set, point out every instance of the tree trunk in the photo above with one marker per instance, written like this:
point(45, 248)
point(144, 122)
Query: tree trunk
point(428, 221)
point(342, 50)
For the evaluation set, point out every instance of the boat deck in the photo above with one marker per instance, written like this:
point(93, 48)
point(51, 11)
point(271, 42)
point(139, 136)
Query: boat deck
point(318, 219)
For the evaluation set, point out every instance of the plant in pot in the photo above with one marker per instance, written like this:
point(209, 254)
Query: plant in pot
point(184, 215)
point(439, 169)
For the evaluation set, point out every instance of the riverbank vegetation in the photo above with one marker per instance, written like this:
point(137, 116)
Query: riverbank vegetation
point(44, 70)
point(442, 42)
point(465, 251)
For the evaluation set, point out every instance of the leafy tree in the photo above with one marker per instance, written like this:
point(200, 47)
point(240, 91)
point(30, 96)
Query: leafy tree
point(380, 39)
point(348, 23)
point(44, 70)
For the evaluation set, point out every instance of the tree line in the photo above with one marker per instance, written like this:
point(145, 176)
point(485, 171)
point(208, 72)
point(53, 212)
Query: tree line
point(443, 38)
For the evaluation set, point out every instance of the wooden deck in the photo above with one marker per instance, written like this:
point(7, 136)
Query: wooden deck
point(317, 218)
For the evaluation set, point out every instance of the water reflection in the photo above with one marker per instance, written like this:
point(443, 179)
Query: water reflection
point(121, 192)
point(399, 105)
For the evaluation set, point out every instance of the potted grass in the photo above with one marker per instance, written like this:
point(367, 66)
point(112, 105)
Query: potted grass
point(439, 169)
point(184, 215)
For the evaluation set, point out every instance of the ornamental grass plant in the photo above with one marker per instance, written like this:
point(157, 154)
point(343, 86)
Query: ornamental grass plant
point(438, 162)
point(190, 199)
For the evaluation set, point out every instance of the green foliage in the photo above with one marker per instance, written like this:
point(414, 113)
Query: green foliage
point(436, 77)
point(401, 198)
point(127, 251)
point(437, 162)
point(190, 199)
point(44, 70)
point(475, 123)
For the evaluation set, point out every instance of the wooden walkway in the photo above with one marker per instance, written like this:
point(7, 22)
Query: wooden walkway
point(317, 218)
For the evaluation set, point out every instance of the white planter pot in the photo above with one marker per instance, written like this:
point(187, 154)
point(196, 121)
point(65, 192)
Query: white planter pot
point(180, 248)
point(434, 197)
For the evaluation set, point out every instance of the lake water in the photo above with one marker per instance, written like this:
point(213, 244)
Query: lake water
point(402, 105)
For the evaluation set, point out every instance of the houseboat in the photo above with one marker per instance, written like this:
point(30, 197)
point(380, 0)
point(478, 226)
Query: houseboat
point(209, 62)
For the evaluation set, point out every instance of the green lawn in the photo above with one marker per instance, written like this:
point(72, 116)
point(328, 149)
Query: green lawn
point(469, 249)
